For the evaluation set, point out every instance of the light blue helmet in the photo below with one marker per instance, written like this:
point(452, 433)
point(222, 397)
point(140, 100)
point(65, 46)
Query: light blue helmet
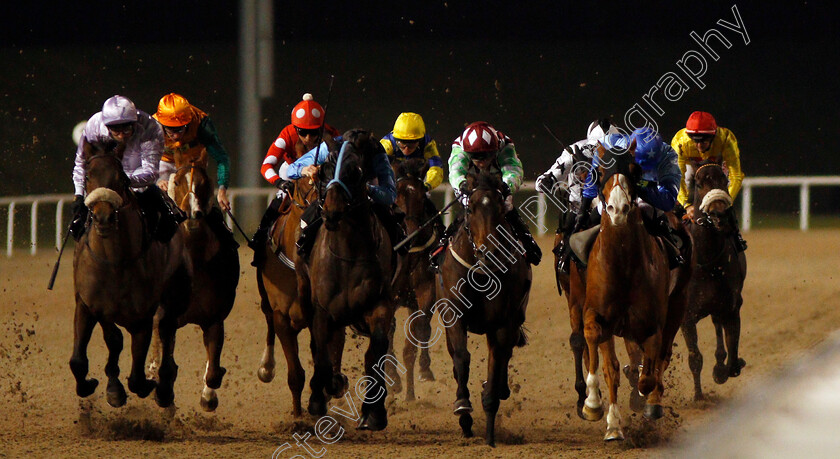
point(118, 110)
point(648, 144)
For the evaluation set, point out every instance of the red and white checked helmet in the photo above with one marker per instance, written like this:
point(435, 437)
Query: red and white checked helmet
point(480, 137)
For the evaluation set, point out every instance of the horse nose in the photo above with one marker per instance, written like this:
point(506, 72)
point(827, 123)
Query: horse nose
point(198, 214)
point(625, 209)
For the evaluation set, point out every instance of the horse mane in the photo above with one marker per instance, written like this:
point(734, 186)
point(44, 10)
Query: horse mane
point(622, 161)
point(486, 181)
point(412, 168)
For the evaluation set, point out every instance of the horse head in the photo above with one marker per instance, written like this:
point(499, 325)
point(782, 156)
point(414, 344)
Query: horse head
point(106, 183)
point(485, 211)
point(345, 185)
point(192, 189)
point(411, 192)
point(617, 175)
point(711, 196)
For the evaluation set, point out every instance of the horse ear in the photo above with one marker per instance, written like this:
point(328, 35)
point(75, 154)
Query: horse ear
point(601, 151)
point(632, 148)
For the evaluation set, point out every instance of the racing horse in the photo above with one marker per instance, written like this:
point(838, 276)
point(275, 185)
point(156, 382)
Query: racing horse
point(629, 292)
point(120, 277)
point(483, 288)
point(717, 280)
point(414, 286)
point(278, 287)
point(346, 280)
point(215, 271)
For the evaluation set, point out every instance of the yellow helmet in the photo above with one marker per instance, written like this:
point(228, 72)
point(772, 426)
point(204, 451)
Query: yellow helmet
point(173, 110)
point(409, 126)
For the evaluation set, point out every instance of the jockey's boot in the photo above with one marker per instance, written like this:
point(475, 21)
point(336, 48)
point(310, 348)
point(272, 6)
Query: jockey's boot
point(310, 221)
point(77, 226)
point(436, 256)
point(392, 223)
point(671, 240)
point(533, 254)
point(216, 222)
point(740, 243)
point(161, 212)
point(258, 240)
point(562, 253)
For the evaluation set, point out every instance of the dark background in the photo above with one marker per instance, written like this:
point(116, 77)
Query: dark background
point(517, 65)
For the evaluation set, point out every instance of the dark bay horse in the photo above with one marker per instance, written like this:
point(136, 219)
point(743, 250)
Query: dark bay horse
point(346, 280)
point(121, 275)
point(717, 280)
point(215, 270)
point(414, 286)
point(483, 288)
point(278, 287)
point(629, 292)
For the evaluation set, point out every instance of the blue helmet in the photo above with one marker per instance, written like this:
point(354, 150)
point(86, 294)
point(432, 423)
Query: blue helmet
point(648, 145)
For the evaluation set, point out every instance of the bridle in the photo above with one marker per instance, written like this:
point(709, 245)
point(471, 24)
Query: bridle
point(418, 219)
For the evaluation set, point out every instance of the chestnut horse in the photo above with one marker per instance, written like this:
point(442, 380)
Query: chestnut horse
point(483, 288)
point(717, 280)
point(414, 286)
point(215, 270)
point(346, 280)
point(278, 287)
point(120, 276)
point(629, 292)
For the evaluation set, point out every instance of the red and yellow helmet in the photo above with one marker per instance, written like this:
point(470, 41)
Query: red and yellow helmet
point(173, 110)
point(308, 114)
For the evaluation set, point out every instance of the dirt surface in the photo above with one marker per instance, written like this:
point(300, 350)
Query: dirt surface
point(790, 304)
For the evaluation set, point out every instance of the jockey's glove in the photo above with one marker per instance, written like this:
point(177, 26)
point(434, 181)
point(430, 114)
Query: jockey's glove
point(77, 205)
point(545, 182)
point(582, 218)
point(647, 184)
point(427, 186)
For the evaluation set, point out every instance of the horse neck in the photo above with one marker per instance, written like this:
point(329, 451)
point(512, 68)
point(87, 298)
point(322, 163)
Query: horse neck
point(200, 241)
point(628, 241)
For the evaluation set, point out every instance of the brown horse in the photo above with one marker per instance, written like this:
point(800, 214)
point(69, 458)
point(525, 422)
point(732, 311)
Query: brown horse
point(346, 280)
point(215, 271)
point(629, 292)
point(717, 280)
point(414, 286)
point(483, 288)
point(278, 287)
point(121, 275)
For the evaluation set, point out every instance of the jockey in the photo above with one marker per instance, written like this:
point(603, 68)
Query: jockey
point(657, 187)
point(564, 171)
point(190, 133)
point(295, 139)
point(482, 148)
point(409, 140)
point(703, 140)
point(121, 121)
point(380, 186)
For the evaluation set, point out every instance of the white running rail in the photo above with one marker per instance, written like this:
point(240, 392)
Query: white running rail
point(12, 203)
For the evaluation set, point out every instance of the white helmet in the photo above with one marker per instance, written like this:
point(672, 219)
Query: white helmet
point(118, 110)
point(598, 129)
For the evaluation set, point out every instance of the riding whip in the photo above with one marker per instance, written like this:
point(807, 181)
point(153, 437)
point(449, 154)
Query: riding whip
point(55, 268)
point(562, 145)
point(233, 219)
point(417, 231)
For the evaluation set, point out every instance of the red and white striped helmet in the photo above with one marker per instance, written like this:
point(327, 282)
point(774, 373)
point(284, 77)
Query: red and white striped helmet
point(480, 137)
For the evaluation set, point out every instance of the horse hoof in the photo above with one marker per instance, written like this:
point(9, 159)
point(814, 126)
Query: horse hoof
point(614, 434)
point(209, 400)
point(462, 406)
point(653, 412)
point(466, 422)
point(593, 414)
point(215, 381)
point(735, 371)
point(637, 400)
point(491, 442)
point(317, 407)
point(338, 385)
point(266, 375)
point(86, 388)
point(426, 375)
point(373, 421)
point(580, 411)
point(699, 397)
point(142, 388)
point(115, 394)
point(164, 397)
point(720, 374)
point(409, 396)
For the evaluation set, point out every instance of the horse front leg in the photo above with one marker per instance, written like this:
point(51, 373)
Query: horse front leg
point(391, 371)
point(575, 293)
point(500, 349)
point(612, 376)
point(115, 391)
point(732, 331)
point(650, 381)
point(409, 356)
point(155, 349)
point(338, 383)
point(320, 334)
point(695, 357)
point(141, 337)
point(295, 374)
point(266, 370)
point(374, 415)
point(592, 408)
point(423, 329)
point(165, 391)
point(631, 371)
point(720, 373)
point(83, 323)
point(456, 344)
point(214, 340)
